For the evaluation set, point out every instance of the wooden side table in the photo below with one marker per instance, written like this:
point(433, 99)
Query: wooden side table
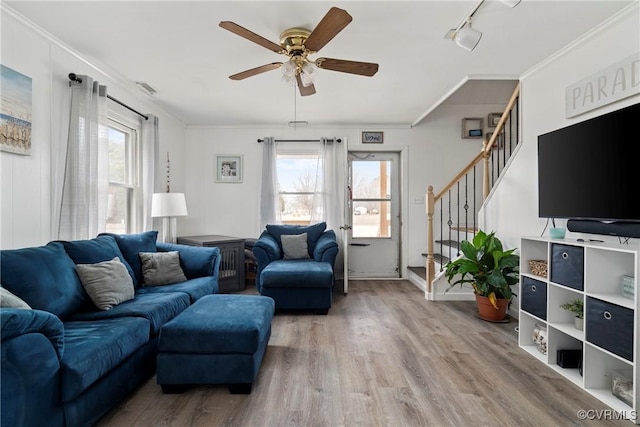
point(231, 274)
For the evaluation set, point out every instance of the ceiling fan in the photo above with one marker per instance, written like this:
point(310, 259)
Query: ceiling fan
point(298, 44)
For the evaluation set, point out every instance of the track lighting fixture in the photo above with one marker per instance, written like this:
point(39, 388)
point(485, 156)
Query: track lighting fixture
point(467, 37)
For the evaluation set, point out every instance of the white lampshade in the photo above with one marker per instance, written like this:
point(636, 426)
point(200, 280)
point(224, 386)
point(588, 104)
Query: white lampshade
point(468, 37)
point(168, 205)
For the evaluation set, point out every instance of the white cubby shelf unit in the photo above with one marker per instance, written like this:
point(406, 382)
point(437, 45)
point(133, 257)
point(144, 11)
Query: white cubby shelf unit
point(612, 342)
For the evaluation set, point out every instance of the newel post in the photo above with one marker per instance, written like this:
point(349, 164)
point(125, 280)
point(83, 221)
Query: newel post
point(486, 187)
point(430, 240)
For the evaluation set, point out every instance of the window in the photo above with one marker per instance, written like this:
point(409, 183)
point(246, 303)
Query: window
point(123, 182)
point(299, 178)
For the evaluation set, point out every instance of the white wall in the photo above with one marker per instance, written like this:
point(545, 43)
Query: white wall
point(512, 210)
point(25, 187)
point(432, 153)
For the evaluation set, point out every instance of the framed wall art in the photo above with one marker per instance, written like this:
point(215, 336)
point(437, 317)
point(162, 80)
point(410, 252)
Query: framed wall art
point(228, 168)
point(15, 112)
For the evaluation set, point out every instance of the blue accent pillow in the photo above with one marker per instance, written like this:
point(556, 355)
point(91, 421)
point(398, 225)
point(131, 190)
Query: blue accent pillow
point(313, 232)
point(44, 277)
point(100, 249)
point(131, 245)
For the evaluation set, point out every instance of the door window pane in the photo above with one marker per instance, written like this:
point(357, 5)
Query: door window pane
point(371, 179)
point(371, 219)
point(371, 198)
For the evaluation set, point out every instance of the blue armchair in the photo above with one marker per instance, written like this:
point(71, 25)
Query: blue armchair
point(295, 266)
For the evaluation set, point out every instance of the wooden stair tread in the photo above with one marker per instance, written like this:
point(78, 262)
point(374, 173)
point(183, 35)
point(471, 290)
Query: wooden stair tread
point(450, 243)
point(441, 259)
point(465, 229)
point(420, 271)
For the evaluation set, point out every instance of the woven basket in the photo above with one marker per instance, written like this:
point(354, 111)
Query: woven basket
point(538, 267)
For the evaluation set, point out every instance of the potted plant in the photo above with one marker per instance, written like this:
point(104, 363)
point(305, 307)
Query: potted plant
point(490, 270)
point(577, 308)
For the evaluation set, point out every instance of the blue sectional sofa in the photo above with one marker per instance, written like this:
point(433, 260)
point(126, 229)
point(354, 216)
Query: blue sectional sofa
point(64, 361)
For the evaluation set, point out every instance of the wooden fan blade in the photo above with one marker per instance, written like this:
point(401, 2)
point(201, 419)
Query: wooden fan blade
point(353, 67)
point(251, 36)
point(257, 70)
point(305, 90)
point(333, 22)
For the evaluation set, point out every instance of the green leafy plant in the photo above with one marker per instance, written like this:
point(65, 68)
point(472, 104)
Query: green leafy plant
point(485, 265)
point(576, 307)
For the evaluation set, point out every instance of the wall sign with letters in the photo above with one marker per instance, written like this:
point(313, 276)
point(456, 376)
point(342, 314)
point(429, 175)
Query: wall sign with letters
point(372, 137)
point(619, 81)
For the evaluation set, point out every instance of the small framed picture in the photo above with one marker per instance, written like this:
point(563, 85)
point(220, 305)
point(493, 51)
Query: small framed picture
point(229, 168)
point(493, 119)
point(372, 137)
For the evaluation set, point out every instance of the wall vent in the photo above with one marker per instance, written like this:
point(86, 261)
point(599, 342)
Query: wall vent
point(146, 88)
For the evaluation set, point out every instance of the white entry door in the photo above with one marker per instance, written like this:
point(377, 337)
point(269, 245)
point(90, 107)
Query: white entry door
point(374, 208)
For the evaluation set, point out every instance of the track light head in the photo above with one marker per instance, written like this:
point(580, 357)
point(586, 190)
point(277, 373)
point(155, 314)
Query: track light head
point(467, 37)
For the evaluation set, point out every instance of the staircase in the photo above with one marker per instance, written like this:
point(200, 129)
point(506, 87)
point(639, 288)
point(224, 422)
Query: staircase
point(447, 250)
point(452, 212)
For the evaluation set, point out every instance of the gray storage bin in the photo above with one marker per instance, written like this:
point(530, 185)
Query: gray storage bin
point(567, 266)
point(534, 297)
point(610, 326)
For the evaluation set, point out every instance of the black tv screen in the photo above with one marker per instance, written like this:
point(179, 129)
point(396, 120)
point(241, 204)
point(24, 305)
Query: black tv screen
point(591, 170)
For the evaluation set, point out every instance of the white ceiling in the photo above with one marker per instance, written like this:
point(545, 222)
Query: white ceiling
point(178, 49)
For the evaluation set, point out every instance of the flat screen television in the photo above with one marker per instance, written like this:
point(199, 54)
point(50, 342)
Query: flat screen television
point(591, 170)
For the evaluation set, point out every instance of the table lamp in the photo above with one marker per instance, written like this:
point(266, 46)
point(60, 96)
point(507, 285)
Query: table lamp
point(168, 206)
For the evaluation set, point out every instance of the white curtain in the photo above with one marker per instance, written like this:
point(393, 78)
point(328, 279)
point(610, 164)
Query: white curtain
point(269, 212)
point(83, 208)
point(149, 147)
point(326, 198)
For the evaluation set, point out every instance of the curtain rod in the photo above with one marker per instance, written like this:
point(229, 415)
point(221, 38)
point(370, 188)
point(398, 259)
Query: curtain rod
point(74, 78)
point(338, 140)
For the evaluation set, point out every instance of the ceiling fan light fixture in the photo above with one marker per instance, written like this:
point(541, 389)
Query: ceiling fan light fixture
point(310, 69)
point(306, 79)
point(297, 44)
point(288, 80)
point(289, 68)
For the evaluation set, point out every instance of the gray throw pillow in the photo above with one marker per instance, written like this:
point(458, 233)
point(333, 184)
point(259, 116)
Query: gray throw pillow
point(108, 283)
point(294, 246)
point(9, 300)
point(161, 268)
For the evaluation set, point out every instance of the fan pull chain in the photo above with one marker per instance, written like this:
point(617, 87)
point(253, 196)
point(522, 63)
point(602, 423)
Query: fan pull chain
point(295, 108)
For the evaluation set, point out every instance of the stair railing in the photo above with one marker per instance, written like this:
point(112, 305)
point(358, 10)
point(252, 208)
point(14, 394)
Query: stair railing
point(496, 150)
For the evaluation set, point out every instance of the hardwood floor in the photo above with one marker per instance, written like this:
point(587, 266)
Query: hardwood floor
point(383, 356)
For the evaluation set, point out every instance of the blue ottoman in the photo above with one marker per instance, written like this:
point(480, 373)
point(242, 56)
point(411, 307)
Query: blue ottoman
point(220, 339)
point(299, 284)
